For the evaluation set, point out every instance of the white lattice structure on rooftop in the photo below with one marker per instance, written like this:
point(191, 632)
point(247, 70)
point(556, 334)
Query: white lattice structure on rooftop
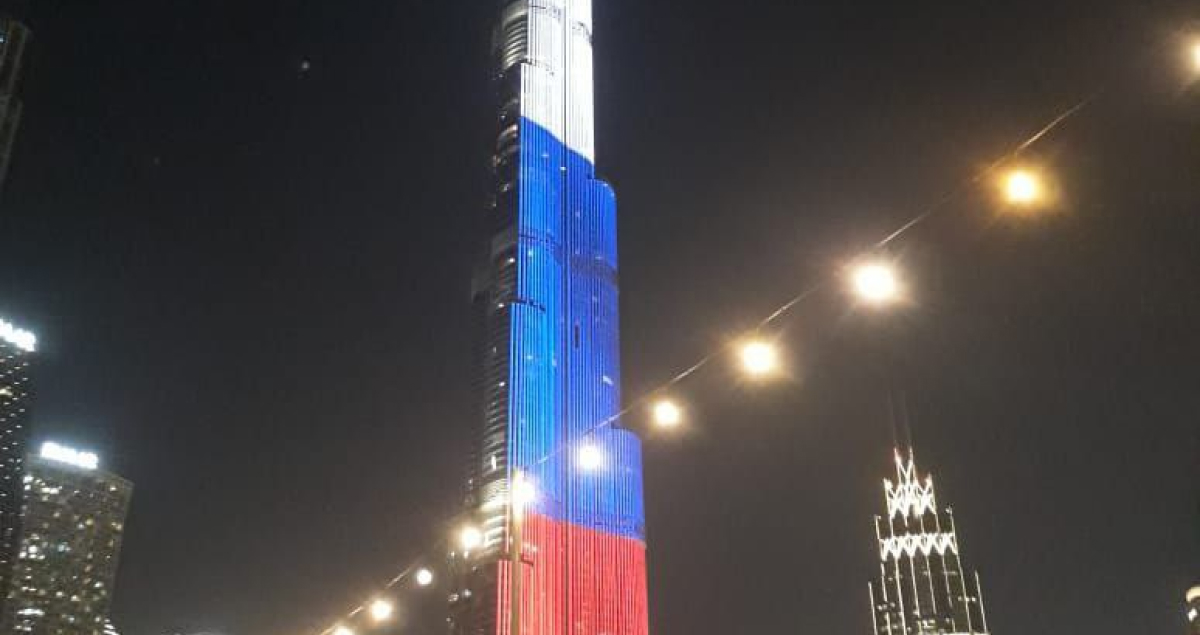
point(922, 589)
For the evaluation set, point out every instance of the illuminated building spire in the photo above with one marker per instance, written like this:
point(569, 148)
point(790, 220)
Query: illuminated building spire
point(922, 588)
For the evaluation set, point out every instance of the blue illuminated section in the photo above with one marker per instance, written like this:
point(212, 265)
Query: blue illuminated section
point(564, 347)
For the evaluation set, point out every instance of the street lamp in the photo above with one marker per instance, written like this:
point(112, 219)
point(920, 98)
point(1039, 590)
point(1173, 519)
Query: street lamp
point(470, 538)
point(424, 577)
point(343, 630)
point(1023, 188)
point(590, 458)
point(381, 610)
point(667, 414)
point(759, 358)
point(1196, 55)
point(875, 283)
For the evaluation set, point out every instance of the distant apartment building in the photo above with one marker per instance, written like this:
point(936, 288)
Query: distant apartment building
point(72, 526)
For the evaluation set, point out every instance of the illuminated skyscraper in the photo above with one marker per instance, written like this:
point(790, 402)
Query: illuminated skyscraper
point(14, 36)
point(922, 589)
point(16, 348)
point(73, 524)
point(546, 303)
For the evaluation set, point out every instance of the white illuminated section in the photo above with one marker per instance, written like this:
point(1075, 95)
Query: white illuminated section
point(918, 544)
point(556, 82)
point(20, 338)
point(909, 498)
point(70, 456)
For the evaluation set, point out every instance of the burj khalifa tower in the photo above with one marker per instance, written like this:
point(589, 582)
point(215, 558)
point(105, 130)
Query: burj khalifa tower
point(554, 488)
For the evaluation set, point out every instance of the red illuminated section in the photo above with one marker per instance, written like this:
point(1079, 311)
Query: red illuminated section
point(576, 581)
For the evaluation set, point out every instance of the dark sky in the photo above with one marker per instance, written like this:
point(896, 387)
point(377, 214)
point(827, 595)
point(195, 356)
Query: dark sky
point(251, 289)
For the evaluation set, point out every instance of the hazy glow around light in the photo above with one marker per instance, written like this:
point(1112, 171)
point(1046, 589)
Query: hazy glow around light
point(381, 610)
point(343, 630)
point(1022, 187)
point(875, 283)
point(1196, 55)
point(590, 458)
point(470, 538)
point(759, 358)
point(70, 456)
point(424, 577)
point(667, 414)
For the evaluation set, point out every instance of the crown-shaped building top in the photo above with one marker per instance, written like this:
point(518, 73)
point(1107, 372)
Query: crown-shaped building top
point(922, 589)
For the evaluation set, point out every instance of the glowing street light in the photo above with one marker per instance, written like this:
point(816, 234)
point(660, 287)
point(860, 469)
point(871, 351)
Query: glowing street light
point(1196, 55)
point(590, 458)
point(381, 610)
point(424, 577)
point(470, 538)
point(875, 283)
point(759, 358)
point(1023, 188)
point(667, 414)
point(524, 491)
point(343, 630)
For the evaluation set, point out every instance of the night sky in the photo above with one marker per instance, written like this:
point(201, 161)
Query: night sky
point(244, 232)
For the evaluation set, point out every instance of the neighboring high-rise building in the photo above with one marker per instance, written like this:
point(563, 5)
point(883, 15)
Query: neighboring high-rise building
point(548, 352)
point(922, 588)
point(1193, 610)
point(16, 348)
point(14, 36)
point(71, 539)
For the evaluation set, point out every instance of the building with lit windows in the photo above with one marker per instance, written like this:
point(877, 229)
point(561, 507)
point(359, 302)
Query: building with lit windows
point(545, 300)
point(14, 37)
point(17, 347)
point(71, 539)
point(922, 588)
point(1193, 610)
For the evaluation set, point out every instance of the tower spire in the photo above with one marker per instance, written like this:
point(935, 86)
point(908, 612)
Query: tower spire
point(922, 588)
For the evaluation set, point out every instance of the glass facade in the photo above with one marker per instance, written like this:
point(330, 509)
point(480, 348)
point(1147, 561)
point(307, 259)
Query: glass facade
point(546, 305)
point(16, 393)
point(73, 524)
point(922, 589)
